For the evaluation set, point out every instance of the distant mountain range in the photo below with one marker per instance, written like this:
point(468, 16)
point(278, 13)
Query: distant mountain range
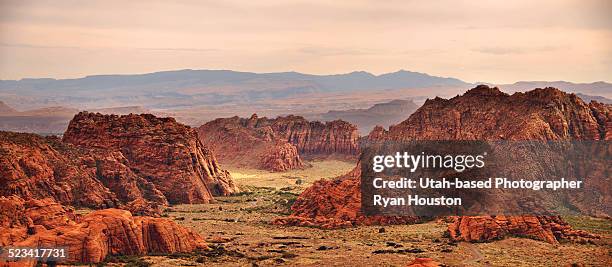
point(187, 88)
point(197, 96)
point(382, 114)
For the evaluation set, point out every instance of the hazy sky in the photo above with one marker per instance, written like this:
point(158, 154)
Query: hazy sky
point(492, 41)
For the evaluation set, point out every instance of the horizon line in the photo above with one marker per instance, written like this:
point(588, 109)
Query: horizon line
point(291, 71)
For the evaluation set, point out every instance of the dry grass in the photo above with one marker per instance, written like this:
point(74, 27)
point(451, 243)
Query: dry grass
point(319, 169)
point(238, 229)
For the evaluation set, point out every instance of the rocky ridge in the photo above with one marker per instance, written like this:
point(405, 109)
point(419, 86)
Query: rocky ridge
point(485, 228)
point(482, 113)
point(38, 167)
point(277, 144)
point(166, 153)
point(89, 238)
point(336, 203)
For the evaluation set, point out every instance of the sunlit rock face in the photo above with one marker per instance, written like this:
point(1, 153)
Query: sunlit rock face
point(482, 113)
point(164, 152)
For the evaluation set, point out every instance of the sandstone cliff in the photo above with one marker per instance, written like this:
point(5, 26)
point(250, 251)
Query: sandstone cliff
point(485, 113)
point(164, 152)
point(277, 144)
point(482, 113)
point(32, 166)
point(314, 137)
point(336, 204)
point(238, 142)
point(89, 238)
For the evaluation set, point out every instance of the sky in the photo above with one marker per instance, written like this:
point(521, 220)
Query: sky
point(487, 41)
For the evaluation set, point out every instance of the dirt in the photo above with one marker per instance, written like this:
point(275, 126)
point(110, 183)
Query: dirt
point(238, 231)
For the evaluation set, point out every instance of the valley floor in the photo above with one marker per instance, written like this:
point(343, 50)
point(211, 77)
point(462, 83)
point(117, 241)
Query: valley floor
point(238, 231)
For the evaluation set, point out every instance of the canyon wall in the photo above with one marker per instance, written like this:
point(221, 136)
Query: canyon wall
point(164, 152)
point(482, 113)
point(277, 144)
point(38, 167)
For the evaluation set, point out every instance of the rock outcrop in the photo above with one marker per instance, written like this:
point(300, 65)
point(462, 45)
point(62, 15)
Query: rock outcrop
point(238, 142)
point(166, 153)
point(277, 144)
point(482, 113)
point(281, 157)
point(92, 237)
point(314, 137)
point(486, 228)
point(485, 113)
point(336, 204)
point(38, 167)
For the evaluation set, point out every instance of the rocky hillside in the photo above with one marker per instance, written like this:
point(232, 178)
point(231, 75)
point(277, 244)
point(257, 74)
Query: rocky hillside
point(32, 166)
point(123, 165)
point(314, 137)
point(482, 113)
point(164, 152)
point(336, 204)
point(88, 238)
point(277, 144)
point(485, 113)
point(238, 142)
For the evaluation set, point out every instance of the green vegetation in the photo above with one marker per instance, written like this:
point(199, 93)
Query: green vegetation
point(590, 224)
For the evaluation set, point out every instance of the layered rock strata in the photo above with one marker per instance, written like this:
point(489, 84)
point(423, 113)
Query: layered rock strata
point(162, 151)
point(89, 238)
point(482, 113)
point(277, 144)
point(38, 167)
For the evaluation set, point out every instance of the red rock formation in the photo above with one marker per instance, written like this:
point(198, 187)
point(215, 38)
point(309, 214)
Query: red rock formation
point(35, 167)
point(166, 153)
point(603, 115)
point(336, 204)
point(482, 113)
point(281, 158)
point(485, 113)
point(487, 228)
point(316, 138)
point(138, 195)
point(238, 142)
point(89, 238)
point(274, 144)
point(377, 134)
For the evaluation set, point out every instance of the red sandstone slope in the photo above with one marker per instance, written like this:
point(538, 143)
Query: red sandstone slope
point(89, 238)
point(276, 144)
point(482, 113)
point(314, 137)
point(164, 152)
point(335, 204)
point(35, 167)
point(238, 142)
point(485, 113)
